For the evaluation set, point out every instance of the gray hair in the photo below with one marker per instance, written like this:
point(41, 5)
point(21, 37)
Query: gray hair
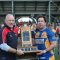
point(8, 15)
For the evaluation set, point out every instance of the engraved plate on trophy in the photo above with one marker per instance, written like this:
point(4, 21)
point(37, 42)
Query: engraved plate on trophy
point(26, 36)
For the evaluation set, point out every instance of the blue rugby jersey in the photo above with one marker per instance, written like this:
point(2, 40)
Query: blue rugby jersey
point(43, 40)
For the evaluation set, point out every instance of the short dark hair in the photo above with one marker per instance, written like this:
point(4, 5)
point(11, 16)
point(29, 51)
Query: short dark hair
point(42, 17)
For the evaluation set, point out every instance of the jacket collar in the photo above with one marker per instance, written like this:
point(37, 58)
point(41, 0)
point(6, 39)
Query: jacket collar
point(5, 25)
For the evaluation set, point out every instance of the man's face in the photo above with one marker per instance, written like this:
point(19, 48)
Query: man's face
point(41, 23)
point(10, 21)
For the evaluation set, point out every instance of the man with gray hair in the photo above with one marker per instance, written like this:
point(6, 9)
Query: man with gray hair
point(8, 43)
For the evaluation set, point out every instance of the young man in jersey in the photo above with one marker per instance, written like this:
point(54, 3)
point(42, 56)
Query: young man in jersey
point(8, 46)
point(44, 40)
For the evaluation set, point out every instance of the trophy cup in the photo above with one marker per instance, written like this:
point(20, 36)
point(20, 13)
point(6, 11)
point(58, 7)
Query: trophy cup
point(26, 43)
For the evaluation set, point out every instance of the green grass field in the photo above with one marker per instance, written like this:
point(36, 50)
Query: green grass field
point(57, 57)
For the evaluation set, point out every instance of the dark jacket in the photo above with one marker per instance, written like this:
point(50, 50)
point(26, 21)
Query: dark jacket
point(10, 37)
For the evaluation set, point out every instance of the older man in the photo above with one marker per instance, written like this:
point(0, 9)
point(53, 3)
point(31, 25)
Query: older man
point(8, 44)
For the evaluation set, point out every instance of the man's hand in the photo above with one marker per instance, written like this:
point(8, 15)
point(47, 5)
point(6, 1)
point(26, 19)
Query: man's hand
point(19, 52)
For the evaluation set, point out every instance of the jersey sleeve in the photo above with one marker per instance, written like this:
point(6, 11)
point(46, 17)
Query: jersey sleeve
point(51, 36)
point(4, 34)
point(33, 34)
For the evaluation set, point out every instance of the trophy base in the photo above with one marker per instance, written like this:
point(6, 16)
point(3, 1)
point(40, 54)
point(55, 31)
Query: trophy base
point(29, 53)
point(29, 49)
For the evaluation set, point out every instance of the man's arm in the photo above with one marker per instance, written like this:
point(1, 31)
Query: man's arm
point(7, 48)
point(53, 45)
